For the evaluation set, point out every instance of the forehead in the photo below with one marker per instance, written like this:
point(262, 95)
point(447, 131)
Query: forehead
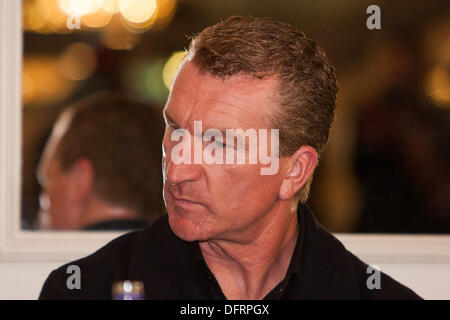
point(240, 101)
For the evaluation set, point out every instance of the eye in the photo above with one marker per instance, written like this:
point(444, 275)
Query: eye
point(172, 126)
point(219, 143)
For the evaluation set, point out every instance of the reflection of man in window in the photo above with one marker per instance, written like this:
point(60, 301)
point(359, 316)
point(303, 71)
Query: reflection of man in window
point(101, 168)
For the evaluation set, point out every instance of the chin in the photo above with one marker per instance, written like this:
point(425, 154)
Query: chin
point(186, 229)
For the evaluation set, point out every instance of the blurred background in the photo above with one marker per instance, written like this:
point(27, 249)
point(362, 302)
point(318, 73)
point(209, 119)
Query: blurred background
point(386, 169)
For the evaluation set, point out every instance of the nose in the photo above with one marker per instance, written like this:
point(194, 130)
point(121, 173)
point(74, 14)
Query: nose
point(178, 173)
point(183, 169)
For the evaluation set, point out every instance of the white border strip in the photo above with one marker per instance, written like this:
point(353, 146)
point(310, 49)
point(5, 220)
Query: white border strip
point(396, 248)
point(18, 245)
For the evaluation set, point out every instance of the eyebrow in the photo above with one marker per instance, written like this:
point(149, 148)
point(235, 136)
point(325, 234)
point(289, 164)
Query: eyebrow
point(222, 130)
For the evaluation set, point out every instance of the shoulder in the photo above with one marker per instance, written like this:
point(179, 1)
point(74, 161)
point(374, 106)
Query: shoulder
point(113, 262)
point(369, 282)
point(334, 272)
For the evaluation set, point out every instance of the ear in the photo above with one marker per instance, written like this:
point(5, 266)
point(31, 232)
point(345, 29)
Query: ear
point(300, 167)
point(81, 178)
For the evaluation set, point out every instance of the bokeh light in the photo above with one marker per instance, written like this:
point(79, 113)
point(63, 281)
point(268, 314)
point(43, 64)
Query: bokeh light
point(166, 12)
point(438, 86)
point(35, 15)
point(57, 20)
point(111, 6)
point(138, 27)
point(80, 7)
point(115, 37)
point(165, 8)
point(98, 19)
point(171, 68)
point(142, 78)
point(44, 16)
point(136, 16)
point(155, 85)
point(78, 61)
point(43, 82)
point(137, 11)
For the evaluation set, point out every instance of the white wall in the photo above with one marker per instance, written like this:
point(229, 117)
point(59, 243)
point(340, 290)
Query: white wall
point(430, 281)
point(23, 280)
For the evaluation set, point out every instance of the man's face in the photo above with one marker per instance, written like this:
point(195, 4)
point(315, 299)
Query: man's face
point(218, 201)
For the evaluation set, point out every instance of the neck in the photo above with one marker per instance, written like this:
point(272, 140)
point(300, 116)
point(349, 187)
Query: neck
point(98, 210)
point(251, 269)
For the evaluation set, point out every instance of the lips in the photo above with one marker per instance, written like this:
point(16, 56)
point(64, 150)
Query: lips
point(183, 201)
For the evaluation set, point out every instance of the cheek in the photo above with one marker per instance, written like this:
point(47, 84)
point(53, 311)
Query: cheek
point(244, 186)
point(60, 207)
point(55, 197)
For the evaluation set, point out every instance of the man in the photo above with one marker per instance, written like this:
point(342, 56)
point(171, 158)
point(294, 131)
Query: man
point(232, 232)
point(89, 181)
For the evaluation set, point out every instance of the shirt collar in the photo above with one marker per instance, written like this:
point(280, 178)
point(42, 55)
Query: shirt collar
point(295, 264)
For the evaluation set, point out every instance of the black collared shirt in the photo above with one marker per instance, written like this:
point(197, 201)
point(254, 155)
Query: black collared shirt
point(170, 268)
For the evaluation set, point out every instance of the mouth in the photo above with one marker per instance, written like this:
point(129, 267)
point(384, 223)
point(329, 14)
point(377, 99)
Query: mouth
point(183, 202)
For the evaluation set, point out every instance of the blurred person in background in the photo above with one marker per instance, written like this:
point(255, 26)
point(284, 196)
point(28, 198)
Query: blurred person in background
point(100, 169)
point(401, 159)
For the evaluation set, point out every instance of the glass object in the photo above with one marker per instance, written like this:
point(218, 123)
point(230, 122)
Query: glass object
point(128, 290)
